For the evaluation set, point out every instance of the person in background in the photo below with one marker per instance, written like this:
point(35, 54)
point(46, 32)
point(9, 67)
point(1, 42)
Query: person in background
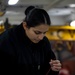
point(25, 48)
point(7, 24)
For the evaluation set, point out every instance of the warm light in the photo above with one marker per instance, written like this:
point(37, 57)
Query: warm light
point(72, 23)
point(12, 2)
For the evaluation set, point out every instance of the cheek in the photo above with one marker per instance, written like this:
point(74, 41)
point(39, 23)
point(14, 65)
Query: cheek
point(33, 35)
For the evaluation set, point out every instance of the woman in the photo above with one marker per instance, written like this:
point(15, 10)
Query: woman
point(26, 48)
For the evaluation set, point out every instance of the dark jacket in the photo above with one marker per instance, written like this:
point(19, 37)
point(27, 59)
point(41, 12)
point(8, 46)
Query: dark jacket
point(18, 54)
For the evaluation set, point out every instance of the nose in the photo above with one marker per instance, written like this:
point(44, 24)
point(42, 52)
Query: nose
point(41, 36)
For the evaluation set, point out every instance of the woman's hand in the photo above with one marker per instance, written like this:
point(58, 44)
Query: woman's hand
point(55, 65)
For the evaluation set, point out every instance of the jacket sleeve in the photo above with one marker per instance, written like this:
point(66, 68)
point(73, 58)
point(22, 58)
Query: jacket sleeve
point(50, 55)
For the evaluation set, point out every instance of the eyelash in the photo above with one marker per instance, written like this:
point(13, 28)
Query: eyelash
point(39, 33)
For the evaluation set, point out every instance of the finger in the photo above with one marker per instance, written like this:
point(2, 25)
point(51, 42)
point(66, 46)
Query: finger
point(55, 62)
point(56, 68)
point(57, 65)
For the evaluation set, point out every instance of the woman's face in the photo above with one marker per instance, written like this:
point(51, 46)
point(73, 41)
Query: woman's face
point(35, 34)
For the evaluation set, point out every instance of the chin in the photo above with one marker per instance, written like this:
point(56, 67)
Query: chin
point(35, 41)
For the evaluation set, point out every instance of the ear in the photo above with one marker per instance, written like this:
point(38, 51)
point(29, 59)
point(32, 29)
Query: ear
point(25, 25)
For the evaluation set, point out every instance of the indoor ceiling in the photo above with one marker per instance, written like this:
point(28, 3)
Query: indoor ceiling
point(15, 13)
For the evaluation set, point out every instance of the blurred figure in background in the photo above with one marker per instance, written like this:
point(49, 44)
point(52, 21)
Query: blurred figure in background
point(6, 24)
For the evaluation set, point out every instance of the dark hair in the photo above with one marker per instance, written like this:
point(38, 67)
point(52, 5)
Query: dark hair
point(36, 16)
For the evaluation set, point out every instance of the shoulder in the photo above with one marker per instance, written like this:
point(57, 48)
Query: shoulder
point(9, 33)
point(5, 35)
point(46, 41)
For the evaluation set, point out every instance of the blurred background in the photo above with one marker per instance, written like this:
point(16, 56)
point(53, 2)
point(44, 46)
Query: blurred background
point(62, 30)
point(60, 11)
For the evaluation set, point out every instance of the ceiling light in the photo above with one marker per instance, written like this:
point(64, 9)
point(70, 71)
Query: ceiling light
point(72, 23)
point(72, 5)
point(12, 2)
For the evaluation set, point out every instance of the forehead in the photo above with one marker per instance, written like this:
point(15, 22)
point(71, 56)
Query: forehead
point(41, 27)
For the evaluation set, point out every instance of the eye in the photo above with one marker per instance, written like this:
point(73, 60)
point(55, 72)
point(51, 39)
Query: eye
point(37, 32)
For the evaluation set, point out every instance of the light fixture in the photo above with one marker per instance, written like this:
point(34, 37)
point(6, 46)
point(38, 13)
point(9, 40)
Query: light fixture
point(72, 5)
point(12, 2)
point(72, 23)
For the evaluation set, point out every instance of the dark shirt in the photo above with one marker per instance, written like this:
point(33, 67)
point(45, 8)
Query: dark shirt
point(19, 55)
